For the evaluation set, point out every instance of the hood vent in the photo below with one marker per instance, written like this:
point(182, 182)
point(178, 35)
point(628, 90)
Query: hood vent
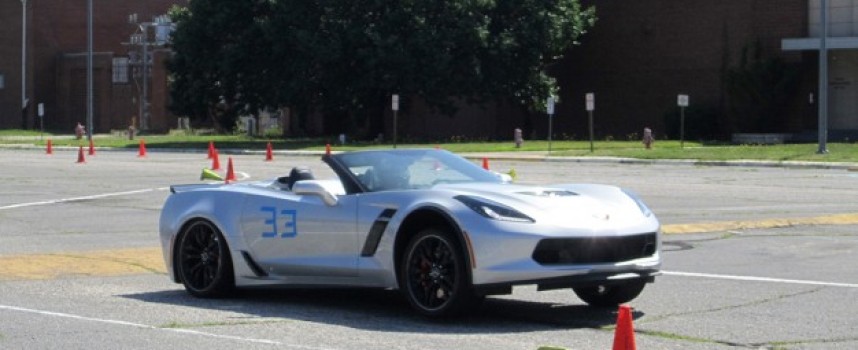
point(550, 193)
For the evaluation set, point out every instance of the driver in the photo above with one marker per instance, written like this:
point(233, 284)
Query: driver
point(391, 174)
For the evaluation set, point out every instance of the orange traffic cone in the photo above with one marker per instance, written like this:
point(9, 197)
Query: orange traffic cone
point(141, 153)
point(624, 335)
point(80, 158)
point(215, 160)
point(486, 163)
point(50, 148)
point(211, 150)
point(328, 149)
point(269, 153)
point(91, 147)
point(230, 174)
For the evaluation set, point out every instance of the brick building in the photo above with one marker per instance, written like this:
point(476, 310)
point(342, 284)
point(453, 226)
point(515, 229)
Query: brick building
point(640, 55)
point(56, 64)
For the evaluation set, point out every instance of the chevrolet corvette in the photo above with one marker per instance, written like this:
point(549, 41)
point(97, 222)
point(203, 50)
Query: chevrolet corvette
point(429, 223)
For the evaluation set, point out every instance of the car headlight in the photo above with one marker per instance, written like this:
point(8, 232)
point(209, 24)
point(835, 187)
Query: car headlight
point(634, 196)
point(493, 210)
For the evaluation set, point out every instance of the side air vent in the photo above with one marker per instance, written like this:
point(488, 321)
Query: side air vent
point(375, 232)
point(257, 270)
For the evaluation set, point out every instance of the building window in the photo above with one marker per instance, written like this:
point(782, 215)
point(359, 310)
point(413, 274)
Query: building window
point(2, 81)
point(120, 70)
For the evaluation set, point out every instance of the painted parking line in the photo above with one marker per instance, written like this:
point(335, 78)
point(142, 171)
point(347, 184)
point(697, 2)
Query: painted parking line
point(82, 198)
point(838, 219)
point(758, 279)
point(140, 325)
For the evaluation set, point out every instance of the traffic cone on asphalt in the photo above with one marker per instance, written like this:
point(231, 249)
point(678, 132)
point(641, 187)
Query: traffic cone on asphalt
point(269, 153)
point(208, 174)
point(230, 174)
point(328, 149)
point(211, 150)
point(80, 158)
point(624, 334)
point(215, 160)
point(486, 163)
point(50, 148)
point(91, 147)
point(141, 153)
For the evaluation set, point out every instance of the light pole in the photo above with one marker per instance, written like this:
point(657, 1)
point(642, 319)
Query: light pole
point(24, 99)
point(89, 97)
point(823, 78)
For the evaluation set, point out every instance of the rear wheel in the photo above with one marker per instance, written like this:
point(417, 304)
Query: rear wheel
point(434, 276)
point(203, 261)
point(610, 295)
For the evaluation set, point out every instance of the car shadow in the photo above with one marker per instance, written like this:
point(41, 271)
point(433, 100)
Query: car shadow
point(384, 310)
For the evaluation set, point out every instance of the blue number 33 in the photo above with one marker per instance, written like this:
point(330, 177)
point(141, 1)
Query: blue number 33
point(288, 217)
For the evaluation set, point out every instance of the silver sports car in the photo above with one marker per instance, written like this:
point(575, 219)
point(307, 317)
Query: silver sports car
point(442, 230)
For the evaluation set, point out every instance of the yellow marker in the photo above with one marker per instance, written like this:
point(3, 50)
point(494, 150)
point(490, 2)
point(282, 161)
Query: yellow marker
point(119, 262)
point(209, 174)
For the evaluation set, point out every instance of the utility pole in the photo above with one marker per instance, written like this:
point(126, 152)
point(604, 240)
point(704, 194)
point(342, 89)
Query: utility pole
point(89, 97)
point(823, 79)
point(162, 28)
point(24, 100)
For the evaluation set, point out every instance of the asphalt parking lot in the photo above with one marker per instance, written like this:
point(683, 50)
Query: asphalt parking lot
point(80, 267)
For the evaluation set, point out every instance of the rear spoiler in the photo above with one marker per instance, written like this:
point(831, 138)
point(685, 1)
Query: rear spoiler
point(191, 187)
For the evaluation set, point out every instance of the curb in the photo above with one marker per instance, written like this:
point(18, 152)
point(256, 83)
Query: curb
point(850, 166)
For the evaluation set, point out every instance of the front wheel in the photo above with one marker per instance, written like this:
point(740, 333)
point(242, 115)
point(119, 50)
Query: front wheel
point(610, 295)
point(433, 274)
point(203, 261)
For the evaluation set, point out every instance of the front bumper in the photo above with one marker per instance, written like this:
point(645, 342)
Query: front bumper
point(574, 281)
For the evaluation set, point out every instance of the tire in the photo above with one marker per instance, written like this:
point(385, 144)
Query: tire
point(203, 262)
point(611, 295)
point(434, 275)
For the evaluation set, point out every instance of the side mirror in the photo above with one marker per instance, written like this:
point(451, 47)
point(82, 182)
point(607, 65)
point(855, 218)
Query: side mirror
point(505, 178)
point(316, 188)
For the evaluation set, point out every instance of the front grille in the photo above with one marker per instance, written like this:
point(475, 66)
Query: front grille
point(594, 250)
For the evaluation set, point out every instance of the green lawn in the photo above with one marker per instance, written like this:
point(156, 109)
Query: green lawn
point(838, 152)
point(16, 132)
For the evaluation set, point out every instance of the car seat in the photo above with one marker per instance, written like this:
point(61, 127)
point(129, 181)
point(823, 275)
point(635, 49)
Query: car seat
point(299, 173)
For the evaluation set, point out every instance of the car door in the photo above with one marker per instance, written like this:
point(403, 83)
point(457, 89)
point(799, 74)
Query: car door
point(300, 235)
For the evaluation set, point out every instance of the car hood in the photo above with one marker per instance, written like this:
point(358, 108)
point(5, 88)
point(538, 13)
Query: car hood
point(578, 205)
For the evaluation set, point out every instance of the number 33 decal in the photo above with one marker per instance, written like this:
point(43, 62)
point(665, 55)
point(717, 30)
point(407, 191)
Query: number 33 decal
point(281, 223)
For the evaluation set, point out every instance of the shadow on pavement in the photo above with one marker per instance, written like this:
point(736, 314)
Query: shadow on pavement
point(384, 310)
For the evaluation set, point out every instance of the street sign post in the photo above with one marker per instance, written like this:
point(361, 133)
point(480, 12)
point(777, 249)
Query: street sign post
point(550, 110)
point(394, 105)
point(590, 104)
point(41, 120)
point(682, 102)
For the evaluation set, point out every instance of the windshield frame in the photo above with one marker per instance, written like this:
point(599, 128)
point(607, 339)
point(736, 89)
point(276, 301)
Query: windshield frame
point(344, 164)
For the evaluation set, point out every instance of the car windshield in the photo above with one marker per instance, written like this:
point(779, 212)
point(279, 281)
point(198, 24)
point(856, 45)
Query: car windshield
point(411, 169)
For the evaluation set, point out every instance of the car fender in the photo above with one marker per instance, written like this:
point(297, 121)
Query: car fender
point(221, 208)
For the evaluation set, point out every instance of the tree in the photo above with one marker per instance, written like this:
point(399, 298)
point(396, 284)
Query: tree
point(218, 68)
point(345, 58)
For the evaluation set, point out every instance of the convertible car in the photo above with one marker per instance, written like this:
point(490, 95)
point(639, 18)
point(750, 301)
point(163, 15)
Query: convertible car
point(437, 227)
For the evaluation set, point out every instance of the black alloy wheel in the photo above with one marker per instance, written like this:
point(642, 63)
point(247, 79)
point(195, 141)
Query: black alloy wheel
point(204, 264)
point(434, 274)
